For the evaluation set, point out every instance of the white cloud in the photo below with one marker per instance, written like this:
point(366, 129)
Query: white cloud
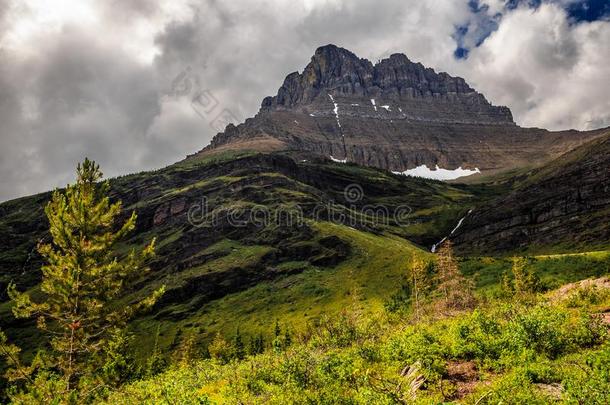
point(89, 77)
point(551, 73)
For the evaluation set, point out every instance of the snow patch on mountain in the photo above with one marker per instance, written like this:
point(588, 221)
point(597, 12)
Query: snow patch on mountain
point(335, 110)
point(439, 173)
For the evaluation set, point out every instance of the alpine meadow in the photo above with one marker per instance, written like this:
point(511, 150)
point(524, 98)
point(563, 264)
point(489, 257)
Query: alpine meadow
point(378, 231)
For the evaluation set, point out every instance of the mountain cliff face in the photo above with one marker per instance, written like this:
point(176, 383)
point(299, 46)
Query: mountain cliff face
point(563, 206)
point(400, 88)
point(395, 115)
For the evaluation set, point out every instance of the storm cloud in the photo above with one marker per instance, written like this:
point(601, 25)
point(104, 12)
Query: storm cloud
point(113, 80)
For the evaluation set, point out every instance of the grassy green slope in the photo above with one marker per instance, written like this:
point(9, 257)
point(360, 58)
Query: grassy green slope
point(527, 350)
point(222, 277)
point(375, 269)
point(553, 270)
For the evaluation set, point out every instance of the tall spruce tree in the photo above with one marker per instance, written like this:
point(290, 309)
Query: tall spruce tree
point(420, 284)
point(277, 343)
point(239, 349)
point(83, 276)
point(287, 337)
point(220, 350)
point(258, 344)
point(457, 290)
point(525, 281)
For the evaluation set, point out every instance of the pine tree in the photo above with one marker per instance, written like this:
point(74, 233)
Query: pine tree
point(220, 350)
point(186, 350)
point(454, 287)
point(11, 354)
point(533, 282)
point(239, 350)
point(260, 344)
point(525, 281)
point(82, 276)
point(287, 338)
point(420, 282)
point(519, 274)
point(120, 365)
point(252, 349)
point(277, 341)
point(155, 363)
point(257, 344)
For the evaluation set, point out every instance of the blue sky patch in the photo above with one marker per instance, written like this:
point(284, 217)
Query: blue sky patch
point(472, 34)
point(589, 10)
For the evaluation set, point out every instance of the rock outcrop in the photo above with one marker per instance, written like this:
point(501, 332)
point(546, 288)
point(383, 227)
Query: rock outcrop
point(401, 90)
point(564, 205)
point(395, 115)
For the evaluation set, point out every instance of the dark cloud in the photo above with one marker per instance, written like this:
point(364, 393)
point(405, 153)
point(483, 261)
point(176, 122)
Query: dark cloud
point(104, 86)
point(75, 98)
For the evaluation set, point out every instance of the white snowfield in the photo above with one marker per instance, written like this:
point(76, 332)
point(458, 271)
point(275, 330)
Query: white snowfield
point(439, 173)
point(374, 105)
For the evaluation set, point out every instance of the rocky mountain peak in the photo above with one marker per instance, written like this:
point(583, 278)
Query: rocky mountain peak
point(396, 114)
point(330, 53)
point(395, 80)
point(330, 68)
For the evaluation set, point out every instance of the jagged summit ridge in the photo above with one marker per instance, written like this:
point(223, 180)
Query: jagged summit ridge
point(395, 114)
point(397, 81)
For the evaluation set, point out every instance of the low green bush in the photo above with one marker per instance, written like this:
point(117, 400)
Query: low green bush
point(533, 353)
point(587, 380)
